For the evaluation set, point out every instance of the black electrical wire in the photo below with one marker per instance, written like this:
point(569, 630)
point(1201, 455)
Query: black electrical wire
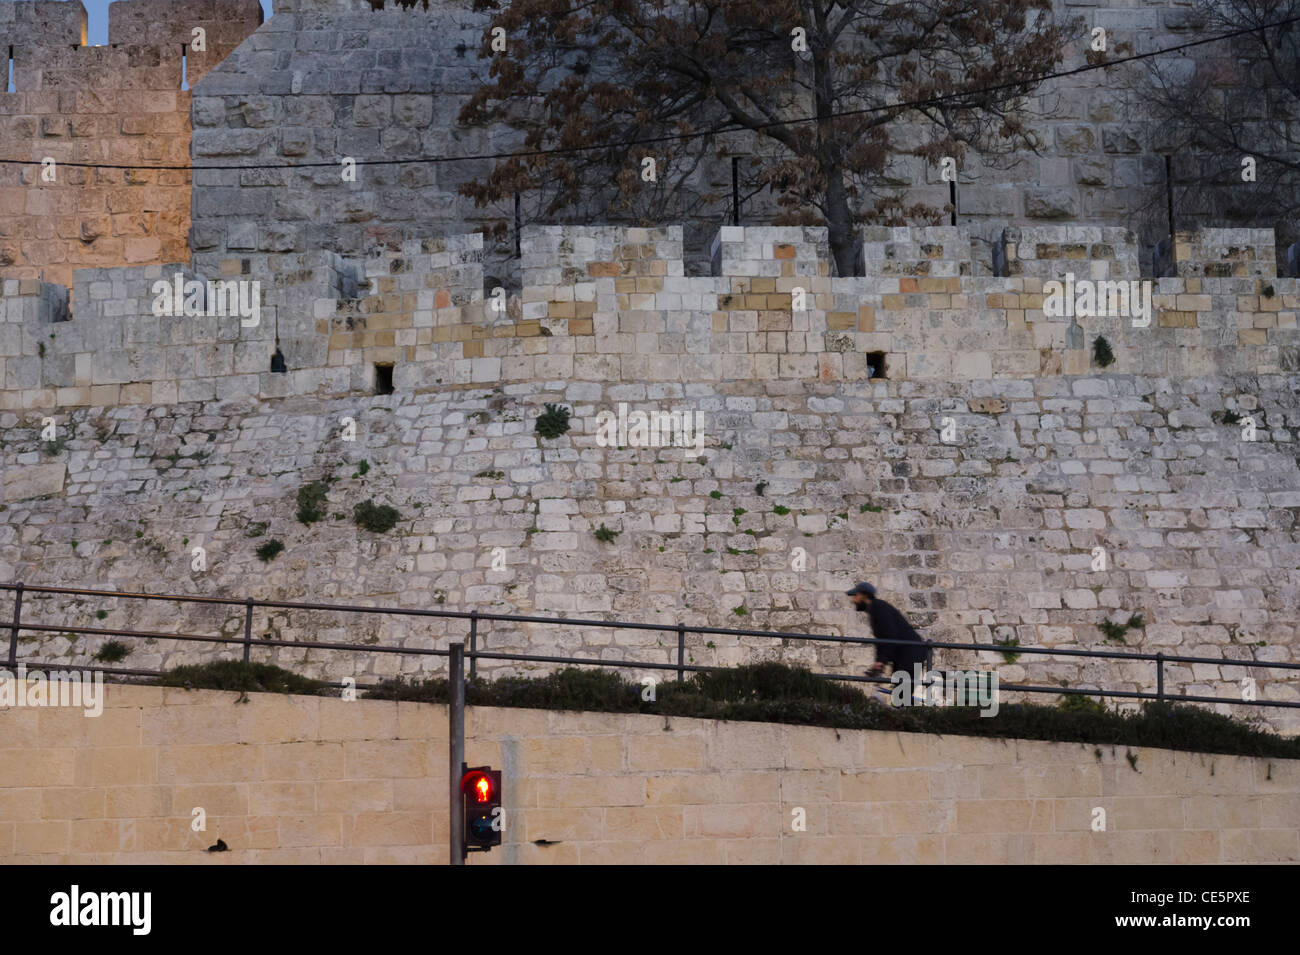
point(679, 137)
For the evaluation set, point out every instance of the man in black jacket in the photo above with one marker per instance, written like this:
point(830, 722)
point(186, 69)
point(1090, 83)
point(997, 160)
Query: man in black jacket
point(887, 623)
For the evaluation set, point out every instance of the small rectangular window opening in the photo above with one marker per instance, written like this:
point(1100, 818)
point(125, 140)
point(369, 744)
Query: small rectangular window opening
point(9, 86)
point(383, 379)
point(876, 367)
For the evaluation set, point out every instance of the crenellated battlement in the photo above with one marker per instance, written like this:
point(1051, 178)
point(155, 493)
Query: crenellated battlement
point(126, 103)
point(614, 302)
point(147, 41)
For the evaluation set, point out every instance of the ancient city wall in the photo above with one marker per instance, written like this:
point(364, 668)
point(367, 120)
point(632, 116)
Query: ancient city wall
point(117, 104)
point(324, 79)
point(305, 780)
point(973, 482)
point(327, 79)
point(611, 303)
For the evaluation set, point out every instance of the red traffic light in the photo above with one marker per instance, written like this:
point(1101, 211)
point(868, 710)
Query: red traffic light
point(477, 785)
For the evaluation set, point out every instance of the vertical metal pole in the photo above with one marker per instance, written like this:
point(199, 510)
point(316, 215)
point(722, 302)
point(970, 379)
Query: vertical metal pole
point(456, 749)
point(1160, 677)
point(248, 627)
point(473, 643)
point(13, 632)
point(1169, 203)
point(735, 190)
point(952, 198)
point(681, 653)
point(517, 245)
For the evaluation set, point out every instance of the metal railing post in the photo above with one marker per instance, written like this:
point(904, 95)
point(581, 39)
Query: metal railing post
point(248, 627)
point(473, 643)
point(13, 632)
point(456, 749)
point(682, 665)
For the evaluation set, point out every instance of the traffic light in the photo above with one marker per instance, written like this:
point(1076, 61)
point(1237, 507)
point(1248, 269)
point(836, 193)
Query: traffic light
point(480, 788)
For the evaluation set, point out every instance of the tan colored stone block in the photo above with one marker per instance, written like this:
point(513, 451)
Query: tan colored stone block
point(903, 849)
point(306, 760)
point(28, 767)
point(356, 720)
point(809, 849)
point(204, 764)
point(277, 798)
point(1260, 845)
point(388, 829)
point(752, 851)
point(746, 746)
point(605, 754)
point(665, 752)
point(688, 789)
point(314, 829)
point(64, 802)
point(994, 815)
point(20, 805)
point(125, 802)
point(386, 759)
point(552, 756)
point(885, 786)
point(42, 838)
point(563, 854)
point(591, 791)
point(642, 824)
point(191, 724)
point(739, 822)
point(276, 718)
point(218, 799)
point(406, 855)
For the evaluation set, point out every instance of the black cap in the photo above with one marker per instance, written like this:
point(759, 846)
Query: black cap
point(861, 588)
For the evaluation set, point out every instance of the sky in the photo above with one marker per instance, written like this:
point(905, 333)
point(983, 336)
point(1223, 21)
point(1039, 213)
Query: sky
point(97, 10)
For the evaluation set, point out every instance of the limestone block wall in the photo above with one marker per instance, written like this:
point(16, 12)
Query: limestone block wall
point(971, 480)
point(325, 79)
point(115, 104)
point(305, 780)
point(615, 303)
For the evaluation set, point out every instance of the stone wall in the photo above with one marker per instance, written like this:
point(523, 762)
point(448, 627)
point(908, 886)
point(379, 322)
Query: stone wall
point(611, 303)
point(325, 79)
point(116, 104)
point(304, 780)
point(972, 482)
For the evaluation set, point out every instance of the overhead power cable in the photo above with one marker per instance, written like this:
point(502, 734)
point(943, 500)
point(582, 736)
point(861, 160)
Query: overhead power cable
point(680, 137)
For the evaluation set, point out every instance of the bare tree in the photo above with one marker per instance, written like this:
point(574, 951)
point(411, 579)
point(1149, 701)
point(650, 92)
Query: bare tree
point(810, 90)
point(1230, 117)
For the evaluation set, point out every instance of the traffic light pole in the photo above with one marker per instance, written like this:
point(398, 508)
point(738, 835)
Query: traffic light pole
point(456, 746)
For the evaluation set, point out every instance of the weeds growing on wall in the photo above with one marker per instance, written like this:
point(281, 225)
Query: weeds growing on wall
point(775, 693)
point(311, 502)
point(377, 518)
point(241, 677)
point(552, 422)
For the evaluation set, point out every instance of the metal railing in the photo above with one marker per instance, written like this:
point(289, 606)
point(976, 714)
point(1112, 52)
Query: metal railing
point(681, 667)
